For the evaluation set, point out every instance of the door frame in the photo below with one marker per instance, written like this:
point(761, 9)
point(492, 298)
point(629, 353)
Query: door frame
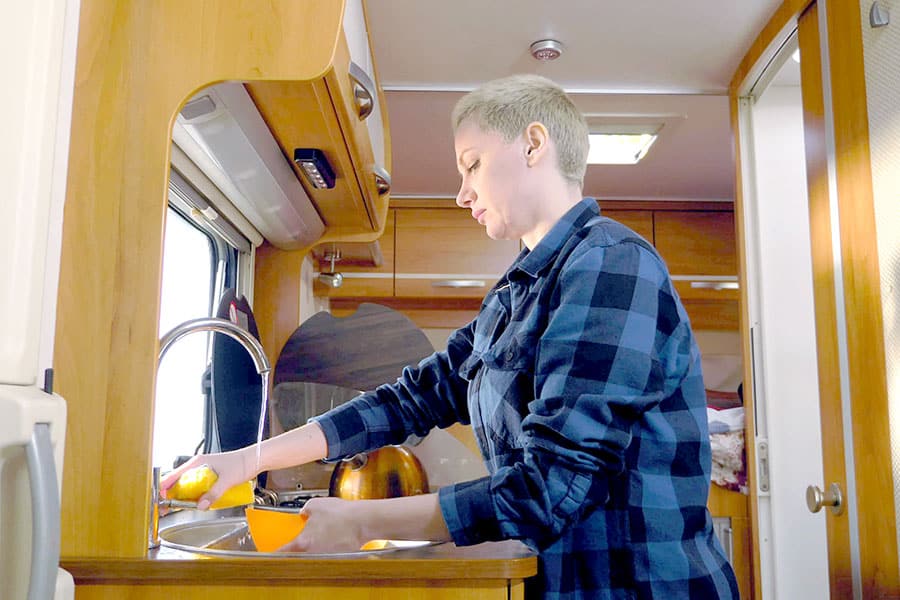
point(849, 316)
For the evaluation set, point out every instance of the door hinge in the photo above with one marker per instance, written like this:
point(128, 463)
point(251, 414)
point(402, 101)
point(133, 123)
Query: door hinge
point(762, 465)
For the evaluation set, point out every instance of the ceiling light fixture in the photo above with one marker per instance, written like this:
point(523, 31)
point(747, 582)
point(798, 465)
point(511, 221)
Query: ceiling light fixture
point(621, 144)
point(546, 50)
point(618, 148)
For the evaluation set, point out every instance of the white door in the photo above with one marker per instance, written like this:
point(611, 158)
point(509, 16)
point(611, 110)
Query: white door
point(792, 541)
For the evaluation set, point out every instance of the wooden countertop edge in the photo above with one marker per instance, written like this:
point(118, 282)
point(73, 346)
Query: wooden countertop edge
point(190, 568)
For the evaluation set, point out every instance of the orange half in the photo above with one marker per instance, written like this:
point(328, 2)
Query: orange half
point(272, 529)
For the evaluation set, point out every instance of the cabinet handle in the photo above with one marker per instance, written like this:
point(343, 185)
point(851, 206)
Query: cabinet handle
point(363, 91)
point(382, 180)
point(714, 285)
point(458, 283)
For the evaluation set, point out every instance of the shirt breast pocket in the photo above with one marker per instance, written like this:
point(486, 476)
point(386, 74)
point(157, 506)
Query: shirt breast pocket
point(506, 387)
point(512, 353)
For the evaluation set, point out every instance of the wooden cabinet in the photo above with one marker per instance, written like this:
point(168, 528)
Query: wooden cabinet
point(641, 221)
point(342, 115)
point(700, 250)
point(434, 252)
point(697, 242)
point(362, 589)
point(444, 253)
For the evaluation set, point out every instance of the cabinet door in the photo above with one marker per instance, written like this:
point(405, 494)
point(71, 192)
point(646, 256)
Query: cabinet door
point(699, 249)
point(355, 97)
point(697, 242)
point(443, 252)
point(641, 221)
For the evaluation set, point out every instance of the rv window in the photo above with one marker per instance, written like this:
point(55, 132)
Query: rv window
point(192, 277)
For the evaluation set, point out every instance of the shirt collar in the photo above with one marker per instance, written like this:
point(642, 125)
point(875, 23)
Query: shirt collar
point(532, 262)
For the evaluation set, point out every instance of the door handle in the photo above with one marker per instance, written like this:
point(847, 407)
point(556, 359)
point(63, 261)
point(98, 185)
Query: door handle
point(45, 524)
point(833, 498)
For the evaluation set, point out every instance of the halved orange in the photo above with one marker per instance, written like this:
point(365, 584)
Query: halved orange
point(272, 529)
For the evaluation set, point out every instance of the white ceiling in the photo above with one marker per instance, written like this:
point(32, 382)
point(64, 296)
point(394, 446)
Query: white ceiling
point(635, 57)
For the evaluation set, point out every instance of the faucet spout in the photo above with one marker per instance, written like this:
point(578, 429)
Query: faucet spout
point(260, 361)
point(236, 332)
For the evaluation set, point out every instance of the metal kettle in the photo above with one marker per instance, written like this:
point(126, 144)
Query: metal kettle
point(387, 472)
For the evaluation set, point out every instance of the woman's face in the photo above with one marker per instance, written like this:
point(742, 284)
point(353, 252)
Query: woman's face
point(493, 181)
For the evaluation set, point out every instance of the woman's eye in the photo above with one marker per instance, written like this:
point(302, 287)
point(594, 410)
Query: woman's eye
point(473, 166)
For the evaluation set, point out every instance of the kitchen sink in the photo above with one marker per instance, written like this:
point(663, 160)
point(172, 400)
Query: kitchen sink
point(230, 536)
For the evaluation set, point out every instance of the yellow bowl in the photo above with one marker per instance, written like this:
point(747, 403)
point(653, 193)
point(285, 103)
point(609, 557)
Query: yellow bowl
point(272, 529)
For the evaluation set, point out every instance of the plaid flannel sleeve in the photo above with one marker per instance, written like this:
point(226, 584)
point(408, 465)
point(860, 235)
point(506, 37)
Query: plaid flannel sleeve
point(430, 394)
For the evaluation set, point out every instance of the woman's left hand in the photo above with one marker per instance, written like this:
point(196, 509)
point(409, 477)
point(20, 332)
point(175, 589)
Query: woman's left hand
point(334, 525)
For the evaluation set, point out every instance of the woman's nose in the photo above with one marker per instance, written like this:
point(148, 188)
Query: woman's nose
point(465, 196)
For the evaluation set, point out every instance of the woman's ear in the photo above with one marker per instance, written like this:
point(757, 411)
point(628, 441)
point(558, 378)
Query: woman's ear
point(536, 138)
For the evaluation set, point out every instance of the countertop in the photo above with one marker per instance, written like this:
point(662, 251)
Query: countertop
point(491, 560)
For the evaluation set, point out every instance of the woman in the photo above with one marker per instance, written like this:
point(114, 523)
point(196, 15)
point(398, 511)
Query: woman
point(580, 377)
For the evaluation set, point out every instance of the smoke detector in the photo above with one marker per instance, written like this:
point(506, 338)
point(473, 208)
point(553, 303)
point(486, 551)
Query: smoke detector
point(546, 50)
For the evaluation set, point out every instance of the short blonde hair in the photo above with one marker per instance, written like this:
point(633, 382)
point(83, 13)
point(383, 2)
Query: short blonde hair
point(508, 105)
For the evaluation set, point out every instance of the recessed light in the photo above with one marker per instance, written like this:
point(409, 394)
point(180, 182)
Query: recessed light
point(546, 50)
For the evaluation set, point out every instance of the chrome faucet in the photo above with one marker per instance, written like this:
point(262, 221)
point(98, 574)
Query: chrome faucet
point(260, 361)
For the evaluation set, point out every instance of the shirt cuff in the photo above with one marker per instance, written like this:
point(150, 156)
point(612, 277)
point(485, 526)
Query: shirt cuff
point(468, 511)
point(344, 429)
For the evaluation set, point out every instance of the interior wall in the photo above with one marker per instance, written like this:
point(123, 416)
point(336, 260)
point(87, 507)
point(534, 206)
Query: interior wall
point(309, 303)
point(881, 53)
point(794, 547)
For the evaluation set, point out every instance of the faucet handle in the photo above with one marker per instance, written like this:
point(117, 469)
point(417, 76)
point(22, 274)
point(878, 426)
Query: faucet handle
point(153, 526)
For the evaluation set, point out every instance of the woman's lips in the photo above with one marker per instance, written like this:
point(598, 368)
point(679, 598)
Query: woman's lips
point(476, 214)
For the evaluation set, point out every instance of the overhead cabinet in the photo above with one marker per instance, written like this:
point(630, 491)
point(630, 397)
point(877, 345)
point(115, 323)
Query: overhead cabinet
point(699, 249)
point(427, 254)
point(444, 252)
point(341, 115)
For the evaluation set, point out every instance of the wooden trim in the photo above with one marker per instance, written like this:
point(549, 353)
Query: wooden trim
point(187, 569)
point(276, 298)
point(402, 304)
point(700, 205)
point(137, 62)
point(862, 304)
point(747, 354)
point(781, 18)
point(822, 252)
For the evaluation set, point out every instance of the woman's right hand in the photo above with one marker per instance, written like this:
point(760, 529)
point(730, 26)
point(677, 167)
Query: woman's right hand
point(231, 468)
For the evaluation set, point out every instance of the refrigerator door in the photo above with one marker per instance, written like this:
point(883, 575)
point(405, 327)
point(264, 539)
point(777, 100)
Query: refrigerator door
point(32, 439)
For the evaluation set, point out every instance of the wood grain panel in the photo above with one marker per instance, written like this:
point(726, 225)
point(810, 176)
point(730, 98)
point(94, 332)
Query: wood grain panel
point(822, 252)
point(862, 305)
point(696, 243)
point(641, 221)
point(605, 204)
point(742, 552)
point(136, 64)
point(441, 313)
point(300, 115)
point(361, 590)
point(446, 242)
point(276, 296)
point(716, 315)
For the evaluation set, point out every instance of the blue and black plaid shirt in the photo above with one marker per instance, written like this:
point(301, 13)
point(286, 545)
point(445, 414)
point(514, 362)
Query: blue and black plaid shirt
point(581, 379)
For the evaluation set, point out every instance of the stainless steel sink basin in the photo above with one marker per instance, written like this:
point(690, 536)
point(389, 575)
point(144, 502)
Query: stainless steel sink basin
point(231, 537)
